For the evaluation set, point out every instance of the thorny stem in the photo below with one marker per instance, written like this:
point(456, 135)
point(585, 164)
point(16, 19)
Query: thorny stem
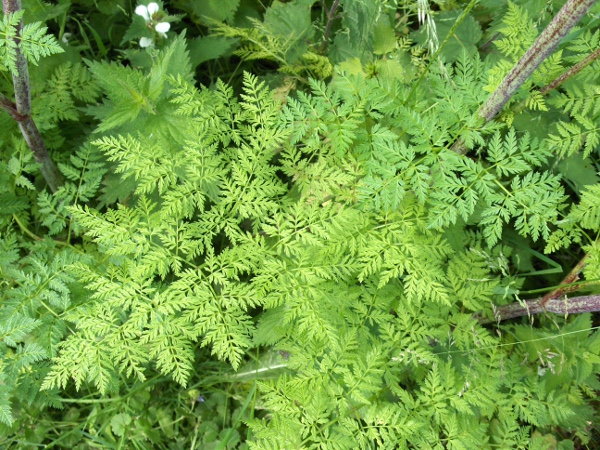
point(563, 77)
point(554, 301)
point(330, 18)
point(565, 285)
point(569, 15)
point(572, 71)
point(20, 110)
point(557, 29)
point(575, 305)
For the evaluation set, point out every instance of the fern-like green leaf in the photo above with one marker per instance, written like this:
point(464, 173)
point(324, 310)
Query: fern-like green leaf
point(34, 43)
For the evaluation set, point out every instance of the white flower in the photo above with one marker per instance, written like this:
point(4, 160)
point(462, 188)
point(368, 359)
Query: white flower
point(162, 28)
point(147, 11)
point(142, 10)
point(152, 8)
point(66, 37)
point(146, 42)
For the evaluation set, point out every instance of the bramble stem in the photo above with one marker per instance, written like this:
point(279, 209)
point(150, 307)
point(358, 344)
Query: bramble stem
point(575, 305)
point(330, 17)
point(570, 72)
point(566, 285)
point(557, 29)
point(20, 110)
point(554, 301)
point(570, 14)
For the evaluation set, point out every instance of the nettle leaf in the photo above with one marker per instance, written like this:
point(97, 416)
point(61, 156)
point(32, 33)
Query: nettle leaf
point(206, 48)
point(384, 39)
point(356, 39)
point(173, 62)
point(579, 172)
point(132, 94)
point(213, 9)
point(127, 96)
point(137, 29)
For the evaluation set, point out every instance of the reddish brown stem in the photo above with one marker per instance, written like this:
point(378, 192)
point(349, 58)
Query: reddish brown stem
point(575, 305)
point(20, 110)
point(554, 301)
point(570, 72)
point(330, 18)
point(569, 15)
point(566, 284)
point(10, 108)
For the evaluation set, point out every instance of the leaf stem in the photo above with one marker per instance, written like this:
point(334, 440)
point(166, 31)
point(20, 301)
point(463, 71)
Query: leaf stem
point(20, 110)
point(450, 35)
point(35, 237)
point(26, 230)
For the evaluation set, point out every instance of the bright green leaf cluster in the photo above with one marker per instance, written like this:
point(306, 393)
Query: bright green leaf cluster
point(34, 42)
point(331, 245)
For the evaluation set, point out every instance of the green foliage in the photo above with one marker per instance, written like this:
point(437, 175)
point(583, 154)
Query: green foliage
point(212, 232)
point(278, 268)
point(584, 215)
point(220, 193)
point(84, 175)
point(465, 37)
point(283, 46)
point(34, 42)
point(135, 95)
point(36, 298)
point(58, 99)
point(583, 106)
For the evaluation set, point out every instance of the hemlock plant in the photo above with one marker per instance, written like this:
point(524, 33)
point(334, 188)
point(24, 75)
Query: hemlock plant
point(342, 249)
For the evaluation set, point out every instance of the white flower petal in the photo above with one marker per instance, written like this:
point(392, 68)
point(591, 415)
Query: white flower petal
point(162, 27)
point(141, 10)
point(152, 8)
point(146, 42)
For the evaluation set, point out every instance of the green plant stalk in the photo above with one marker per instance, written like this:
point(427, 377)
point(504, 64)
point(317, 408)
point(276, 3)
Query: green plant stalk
point(460, 19)
point(557, 29)
point(223, 444)
point(20, 110)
